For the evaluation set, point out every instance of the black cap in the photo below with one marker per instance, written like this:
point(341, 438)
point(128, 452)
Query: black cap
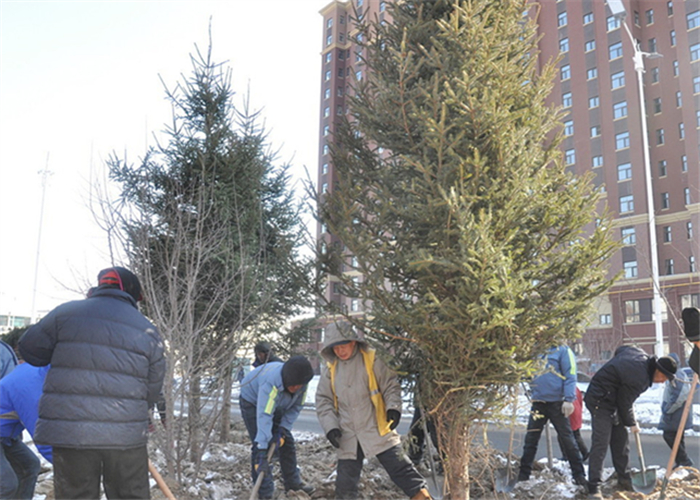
point(297, 371)
point(122, 279)
point(691, 323)
point(667, 365)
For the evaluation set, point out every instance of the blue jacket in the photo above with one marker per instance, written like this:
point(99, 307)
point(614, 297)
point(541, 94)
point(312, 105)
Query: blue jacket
point(107, 370)
point(263, 387)
point(8, 359)
point(673, 403)
point(20, 392)
point(558, 381)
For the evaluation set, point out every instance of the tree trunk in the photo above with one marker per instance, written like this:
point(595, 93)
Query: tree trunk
point(227, 380)
point(453, 428)
point(194, 417)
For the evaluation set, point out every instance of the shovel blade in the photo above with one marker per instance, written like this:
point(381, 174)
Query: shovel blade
point(505, 480)
point(644, 481)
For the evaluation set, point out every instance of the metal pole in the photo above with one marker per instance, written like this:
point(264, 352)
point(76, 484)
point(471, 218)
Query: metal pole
point(44, 175)
point(638, 58)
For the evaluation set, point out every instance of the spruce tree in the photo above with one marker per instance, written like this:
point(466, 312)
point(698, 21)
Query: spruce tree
point(477, 248)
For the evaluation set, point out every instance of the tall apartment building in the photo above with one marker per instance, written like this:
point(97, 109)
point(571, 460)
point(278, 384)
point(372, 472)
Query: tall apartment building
point(598, 89)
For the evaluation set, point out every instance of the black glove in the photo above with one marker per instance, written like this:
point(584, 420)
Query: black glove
point(261, 464)
point(393, 416)
point(334, 437)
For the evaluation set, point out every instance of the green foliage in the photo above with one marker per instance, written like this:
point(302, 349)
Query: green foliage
point(478, 250)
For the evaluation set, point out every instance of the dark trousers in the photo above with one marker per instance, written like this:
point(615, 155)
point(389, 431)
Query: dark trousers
point(400, 469)
point(607, 430)
point(287, 454)
point(19, 468)
point(682, 458)
point(124, 473)
point(540, 413)
point(416, 436)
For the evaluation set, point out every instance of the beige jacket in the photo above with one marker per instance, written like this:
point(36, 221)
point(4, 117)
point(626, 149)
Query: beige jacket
point(355, 414)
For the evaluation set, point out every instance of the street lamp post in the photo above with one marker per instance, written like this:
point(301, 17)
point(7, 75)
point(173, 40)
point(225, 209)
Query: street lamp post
point(618, 10)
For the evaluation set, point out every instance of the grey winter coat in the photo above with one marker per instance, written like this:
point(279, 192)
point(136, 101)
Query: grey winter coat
point(355, 415)
point(107, 370)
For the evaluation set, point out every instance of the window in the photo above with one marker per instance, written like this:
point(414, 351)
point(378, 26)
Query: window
point(660, 137)
point(338, 110)
point(326, 111)
point(592, 73)
point(622, 140)
point(329, 22)
point(564, 45)
point(662, 168)
point(588, 18)
point(355, 305)
point(668, 237)
point(324, 169)
point(326, 93)
point(629, 235)
point(589, 45)
point(329, 39)
point(697, 118)
point(655, 75)
point(669, 267)
point(652, 45)
point(632, 314)
point(636, 18)
point(328, 75)
point(570, 156)
point(605, 319)
point(626, 203)
point(672, 35)
point(650, 16)
point(561, 19)
point(695, 52)
point(325, 149)
point(684, 163)
point(630, 268)
point(613, 23)
point(679, 99)
point(595, 131)
point(566, 100)
point(597, 161)
point(681, 131)
point(676, 68)
point(689, 230)
point(620, 110)
point(593, 102)
point(693, 19)
point(669, 8)
point(624, 171)
point(615, 50)
point(382, 6)
point(324, 188)
point(358, 75)
point(568, 128)
point(341, 74)
point(326, 130)
point(565, 72)
point(618, 79)
point(665, 201)
point(691, 264)
point(686, 196)
point(656, 104)
point(696, 85)
point(340, 92)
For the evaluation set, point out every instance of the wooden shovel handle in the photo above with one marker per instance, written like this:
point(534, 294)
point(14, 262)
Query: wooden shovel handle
point(159, 481)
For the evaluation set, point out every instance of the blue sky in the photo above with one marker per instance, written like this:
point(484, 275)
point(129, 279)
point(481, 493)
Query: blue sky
point(80, 80)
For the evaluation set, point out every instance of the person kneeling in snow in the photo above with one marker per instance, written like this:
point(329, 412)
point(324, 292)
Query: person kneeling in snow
point(271, 398)
point(358, 403)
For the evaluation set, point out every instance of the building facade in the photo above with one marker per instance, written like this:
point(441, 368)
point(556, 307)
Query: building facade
point(597, 87)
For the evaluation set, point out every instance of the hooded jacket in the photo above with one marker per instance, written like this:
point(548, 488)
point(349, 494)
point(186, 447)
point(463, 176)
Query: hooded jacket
point(346, 403)
point(675, 395)
point(107, 370)
point(620, 381)
point(558, 380)
point(264, 388)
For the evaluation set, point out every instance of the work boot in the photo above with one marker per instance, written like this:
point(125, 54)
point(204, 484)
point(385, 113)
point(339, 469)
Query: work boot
point(306, 488)
point(624, 483)
point(422, 495)
point(581, 481)
point(597, 495)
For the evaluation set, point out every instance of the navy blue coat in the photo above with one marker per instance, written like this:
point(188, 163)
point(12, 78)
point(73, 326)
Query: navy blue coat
point(620, 381)
point(107, 369)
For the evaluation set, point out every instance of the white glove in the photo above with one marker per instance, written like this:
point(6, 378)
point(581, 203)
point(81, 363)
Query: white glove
point(567, 408)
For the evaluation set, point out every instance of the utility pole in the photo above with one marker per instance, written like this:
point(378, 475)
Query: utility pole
point(44, 178)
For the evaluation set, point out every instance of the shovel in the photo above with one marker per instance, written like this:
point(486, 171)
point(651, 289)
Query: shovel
point(506, 478)
point(259, 480)
point(643, 481)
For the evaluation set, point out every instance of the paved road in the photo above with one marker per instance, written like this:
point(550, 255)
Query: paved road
point(656, 452)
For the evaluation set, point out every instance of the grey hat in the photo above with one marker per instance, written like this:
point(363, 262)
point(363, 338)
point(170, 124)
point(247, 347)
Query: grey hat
point(668, 366)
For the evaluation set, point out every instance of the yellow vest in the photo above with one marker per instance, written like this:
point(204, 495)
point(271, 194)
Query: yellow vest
point(375, 395)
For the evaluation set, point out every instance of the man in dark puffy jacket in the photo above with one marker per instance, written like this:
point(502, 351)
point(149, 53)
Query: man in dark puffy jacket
point(691, 328)
point(107, 370)
point(610, 398)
